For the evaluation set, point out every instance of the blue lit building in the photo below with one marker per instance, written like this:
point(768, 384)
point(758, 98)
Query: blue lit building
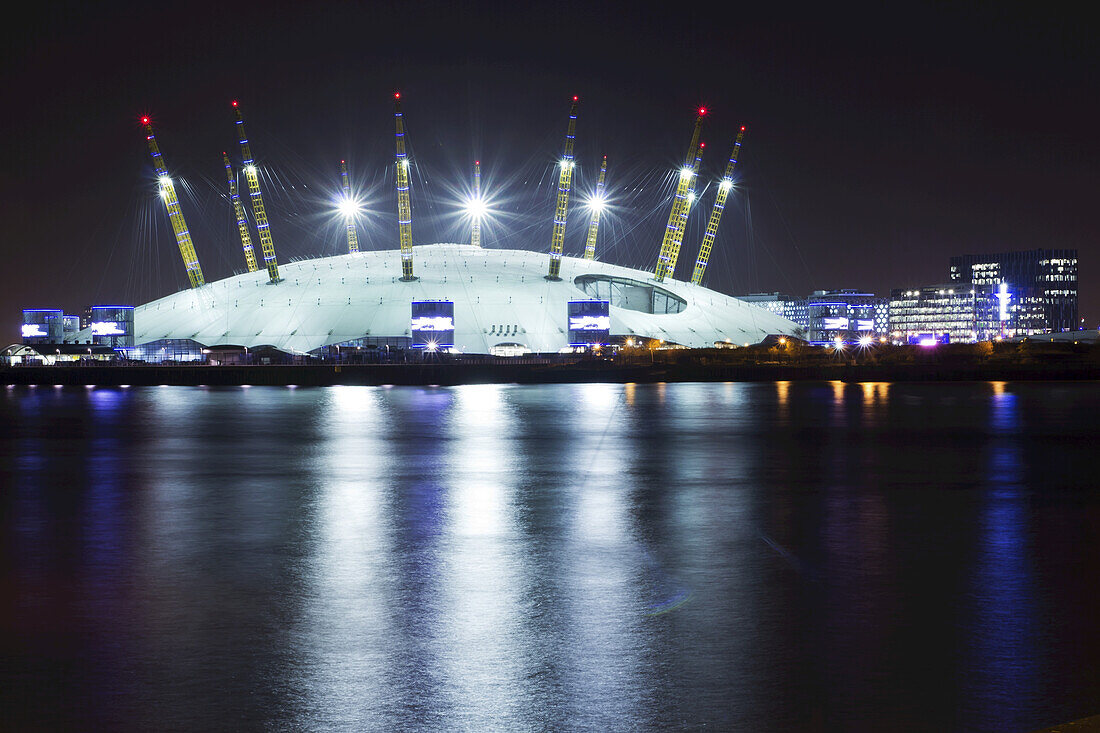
point(1043, 283)
point(950, 313)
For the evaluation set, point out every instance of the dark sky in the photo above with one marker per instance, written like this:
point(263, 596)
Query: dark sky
point(882, 139)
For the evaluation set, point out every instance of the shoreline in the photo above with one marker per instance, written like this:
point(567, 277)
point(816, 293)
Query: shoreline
point(456, 373)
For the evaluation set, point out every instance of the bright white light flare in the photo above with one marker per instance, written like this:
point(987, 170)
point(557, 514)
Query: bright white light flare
point(349, 207)
point(476, 208)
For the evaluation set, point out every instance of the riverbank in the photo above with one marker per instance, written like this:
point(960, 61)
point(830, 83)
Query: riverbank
point(552, 373)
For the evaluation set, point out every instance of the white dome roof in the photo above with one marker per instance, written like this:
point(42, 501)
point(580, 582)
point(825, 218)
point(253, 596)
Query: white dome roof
point(500, 296)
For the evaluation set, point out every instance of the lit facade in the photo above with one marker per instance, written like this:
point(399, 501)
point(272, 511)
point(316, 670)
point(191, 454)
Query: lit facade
point(1043, 281)
point(962, 313)
point(781, 304)
point(495, 299)
point(828, 315)
point(846, 315)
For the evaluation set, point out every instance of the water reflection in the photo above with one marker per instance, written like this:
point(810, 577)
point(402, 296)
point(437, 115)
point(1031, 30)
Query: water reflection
point(541, 558)
point(1006, 650)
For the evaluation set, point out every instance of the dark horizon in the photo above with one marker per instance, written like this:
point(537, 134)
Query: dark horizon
point(881, 141)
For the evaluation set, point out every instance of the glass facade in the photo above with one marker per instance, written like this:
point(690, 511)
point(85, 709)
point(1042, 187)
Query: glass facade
point(1043, 281)
point(962, 313)
point(840, 314)
point(781, 304)
point(112, 325)
point(827, 315)
point(43, 326)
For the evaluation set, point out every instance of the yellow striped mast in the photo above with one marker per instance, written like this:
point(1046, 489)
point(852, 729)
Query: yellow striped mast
point(673, 233)
point(716, 213)
point(475, 228)
point(238, 211)
point(259, 213)
point(404, 207)
point(175, 213)
point(353, 234)
point(565, 182)
point(597, 207)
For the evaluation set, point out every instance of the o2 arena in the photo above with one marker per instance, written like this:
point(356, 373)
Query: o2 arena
point(454, 296)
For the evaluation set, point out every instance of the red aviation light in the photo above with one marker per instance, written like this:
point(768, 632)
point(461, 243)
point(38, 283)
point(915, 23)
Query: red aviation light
point(397, 95)
point(575, 98)
point(234, 102)
point(145, 120)
point(702, 111)
point(477, 162)
point(742, 128)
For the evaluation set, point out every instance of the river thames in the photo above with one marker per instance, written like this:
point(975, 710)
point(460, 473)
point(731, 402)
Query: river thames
point(734, 556)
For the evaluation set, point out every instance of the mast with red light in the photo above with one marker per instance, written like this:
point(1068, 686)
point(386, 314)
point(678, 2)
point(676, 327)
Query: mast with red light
point(238, 211)
point(175, 213)
point(597, 207)
point(716, 213)
point(565, 183)
point(475, 227)
point(404, 207)
point(677, 217)
point(259, 213)
point(353, 234)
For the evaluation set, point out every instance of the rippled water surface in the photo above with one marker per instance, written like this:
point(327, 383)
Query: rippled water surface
point(781, 556)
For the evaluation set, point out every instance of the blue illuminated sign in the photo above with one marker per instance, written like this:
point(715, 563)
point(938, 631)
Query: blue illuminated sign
point(433, 324)
point(589, 322)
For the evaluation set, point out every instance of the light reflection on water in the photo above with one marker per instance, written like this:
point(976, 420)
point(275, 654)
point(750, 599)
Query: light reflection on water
point(784, 555)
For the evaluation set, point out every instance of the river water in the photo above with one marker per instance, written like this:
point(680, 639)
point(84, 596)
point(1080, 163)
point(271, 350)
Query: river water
point(738, 556)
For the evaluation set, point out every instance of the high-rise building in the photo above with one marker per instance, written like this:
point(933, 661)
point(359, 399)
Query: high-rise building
point(1043, 283)
point(950, 313)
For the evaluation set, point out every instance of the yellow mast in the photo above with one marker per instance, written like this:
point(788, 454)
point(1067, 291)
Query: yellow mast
point(259, 213)
point(682, 215)
point(565, 181)
point(716, 213)
point(238, 210)
point(353, 234)
point(404, 208)
point(175, 213)
point(597, 207)
point(475, 228)
point(673, 233)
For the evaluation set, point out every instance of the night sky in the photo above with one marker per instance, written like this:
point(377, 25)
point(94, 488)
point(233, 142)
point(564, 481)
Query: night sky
point(881, 139)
